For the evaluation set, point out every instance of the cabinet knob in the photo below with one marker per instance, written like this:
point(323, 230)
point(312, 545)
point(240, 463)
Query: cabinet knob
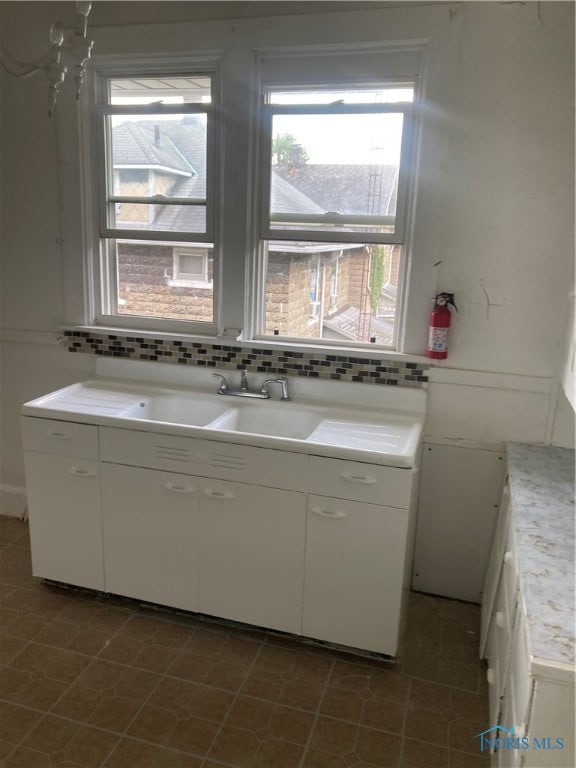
point(335, 514)
point(212, 494)
point(79, 472)
point(178, 488)
point(58, 435)
point(350, 477)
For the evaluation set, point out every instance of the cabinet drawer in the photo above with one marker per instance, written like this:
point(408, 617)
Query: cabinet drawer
point(205, 458)
point(360, 482)
point(61, 437)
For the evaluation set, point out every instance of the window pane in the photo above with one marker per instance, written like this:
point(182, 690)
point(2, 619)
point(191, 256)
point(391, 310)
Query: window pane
point(159, 156)
point(332, 291)
point(147, 288)
point(191, 265)
point(169, 90)
point(323, 165)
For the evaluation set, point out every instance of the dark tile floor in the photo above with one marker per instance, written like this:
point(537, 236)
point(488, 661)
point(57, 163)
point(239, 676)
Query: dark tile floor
point(87, 681)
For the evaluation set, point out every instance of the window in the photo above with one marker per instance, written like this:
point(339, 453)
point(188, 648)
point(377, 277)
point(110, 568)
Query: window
point(275, 209)
point(192, 267)
point(335, 190)
point(157, 176)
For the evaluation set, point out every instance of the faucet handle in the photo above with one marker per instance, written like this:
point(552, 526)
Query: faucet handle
point(223, 383)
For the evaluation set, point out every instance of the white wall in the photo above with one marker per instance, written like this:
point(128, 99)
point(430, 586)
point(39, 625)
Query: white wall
point(505, 229)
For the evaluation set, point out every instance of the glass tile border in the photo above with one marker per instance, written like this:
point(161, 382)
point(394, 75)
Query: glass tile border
point(314, 365)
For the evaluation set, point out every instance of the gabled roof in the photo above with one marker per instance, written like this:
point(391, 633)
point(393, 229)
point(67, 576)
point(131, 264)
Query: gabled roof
point(345, 188)
point(135, 145)
point(288, 199)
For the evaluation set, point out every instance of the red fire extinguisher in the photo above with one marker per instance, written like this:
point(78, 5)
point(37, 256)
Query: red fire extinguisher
point(439, 324)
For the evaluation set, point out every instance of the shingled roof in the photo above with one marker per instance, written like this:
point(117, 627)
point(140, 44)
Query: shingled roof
point(344, 188)
point(139, 144)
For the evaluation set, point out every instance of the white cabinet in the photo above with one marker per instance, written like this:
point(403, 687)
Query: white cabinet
point(532, 696)
point(354, 573)
point(279, 539)
point(150, 522)
point(65, 523)
point(252, 554)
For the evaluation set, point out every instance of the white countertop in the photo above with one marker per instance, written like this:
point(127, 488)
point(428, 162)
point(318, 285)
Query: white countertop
point(386, 432)
point(542, 495)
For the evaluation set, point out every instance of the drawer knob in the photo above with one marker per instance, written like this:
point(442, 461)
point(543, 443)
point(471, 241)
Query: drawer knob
point(212, 494)
point(58, 435)
point(79, 472)
point(179, 488)
point(350, 477)
point(335, 514)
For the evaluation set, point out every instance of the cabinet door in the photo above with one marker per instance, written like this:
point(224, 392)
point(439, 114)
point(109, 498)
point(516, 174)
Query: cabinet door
point(354, 573)
point(150, 535)
point(251, 560)
point(65, 521)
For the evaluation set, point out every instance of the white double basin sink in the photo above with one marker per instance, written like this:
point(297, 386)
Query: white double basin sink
point(386, 433)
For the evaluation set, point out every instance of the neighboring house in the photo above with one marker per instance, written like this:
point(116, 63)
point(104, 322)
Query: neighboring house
point(313, 290)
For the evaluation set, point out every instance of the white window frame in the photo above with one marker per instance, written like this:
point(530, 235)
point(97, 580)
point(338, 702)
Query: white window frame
point(325, 70)
point(104, 268)
point(302, 233)
point(419, 42)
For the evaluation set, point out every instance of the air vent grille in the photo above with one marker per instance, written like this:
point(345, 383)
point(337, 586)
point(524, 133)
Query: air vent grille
point(227, 462)
point(170, 453)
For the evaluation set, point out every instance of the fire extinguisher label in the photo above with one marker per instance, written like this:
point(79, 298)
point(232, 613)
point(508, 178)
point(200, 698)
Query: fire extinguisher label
point(438, 340)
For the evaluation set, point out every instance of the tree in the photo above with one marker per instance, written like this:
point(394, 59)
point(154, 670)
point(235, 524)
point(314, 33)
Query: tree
point(288, 151)
point(376, 277)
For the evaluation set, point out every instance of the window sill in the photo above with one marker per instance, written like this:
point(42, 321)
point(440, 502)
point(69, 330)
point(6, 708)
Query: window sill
point(180, 283)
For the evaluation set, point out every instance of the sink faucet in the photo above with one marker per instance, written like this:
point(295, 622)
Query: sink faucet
point(283, 381)
point(243, 389)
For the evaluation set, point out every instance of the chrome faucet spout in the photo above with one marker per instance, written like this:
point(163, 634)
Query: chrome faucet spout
point(243, 380)
point(283, 381)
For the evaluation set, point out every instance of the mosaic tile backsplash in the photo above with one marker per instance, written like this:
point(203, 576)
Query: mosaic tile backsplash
point(369, 369)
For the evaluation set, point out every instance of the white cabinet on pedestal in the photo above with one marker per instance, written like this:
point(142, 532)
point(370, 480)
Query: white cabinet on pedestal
point(354, 573)
point(223, 529)
point(150, 522)
point(252, 554)
point(63, 487)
